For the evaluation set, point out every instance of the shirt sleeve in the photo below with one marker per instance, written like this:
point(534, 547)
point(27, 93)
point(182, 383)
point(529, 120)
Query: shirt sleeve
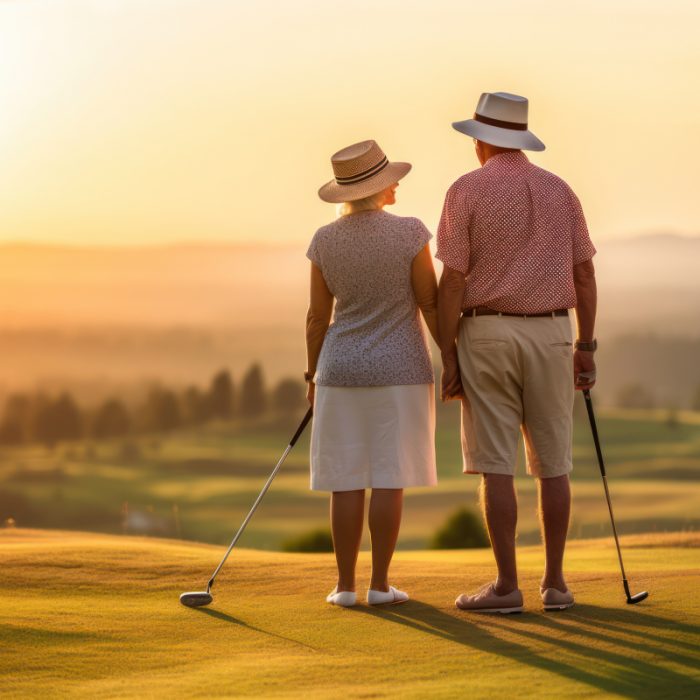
point(582, 245)
point(313, 253)
point(453, 235)
point(420, 237)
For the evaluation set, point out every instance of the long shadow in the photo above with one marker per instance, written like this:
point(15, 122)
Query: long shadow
point(554, 623)
point(225, 617)
point(624, 621)
point(632, 677)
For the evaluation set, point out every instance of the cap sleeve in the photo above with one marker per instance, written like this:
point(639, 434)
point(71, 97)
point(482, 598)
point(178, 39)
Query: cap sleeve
point(314, 253)
point(582, 246)
point(453, 235)
point(419, 238)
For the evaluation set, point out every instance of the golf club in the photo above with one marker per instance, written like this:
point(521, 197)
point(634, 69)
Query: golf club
point(631, 599)
point(195, 599)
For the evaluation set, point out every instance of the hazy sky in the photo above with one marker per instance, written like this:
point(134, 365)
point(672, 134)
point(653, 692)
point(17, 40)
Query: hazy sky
point(147, 121)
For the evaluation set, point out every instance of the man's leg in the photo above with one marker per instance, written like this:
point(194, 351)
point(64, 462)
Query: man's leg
point(347, 515)
point(500, 507)
point(554, 507)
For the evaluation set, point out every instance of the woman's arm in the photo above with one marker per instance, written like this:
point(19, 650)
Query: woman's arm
point(425, 289)
point(318, 318)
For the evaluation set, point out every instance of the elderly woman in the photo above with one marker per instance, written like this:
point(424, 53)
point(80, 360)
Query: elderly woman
point(370, 373)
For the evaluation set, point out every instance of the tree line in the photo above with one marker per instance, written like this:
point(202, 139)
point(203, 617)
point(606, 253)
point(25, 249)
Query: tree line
point(39, 418)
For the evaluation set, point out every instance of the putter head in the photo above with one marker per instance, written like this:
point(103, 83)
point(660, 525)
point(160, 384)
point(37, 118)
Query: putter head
point(196, 599)
point(632, 599)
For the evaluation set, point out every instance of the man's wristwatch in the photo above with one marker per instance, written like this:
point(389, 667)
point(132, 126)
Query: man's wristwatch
point(308, 376)
point(586, 345)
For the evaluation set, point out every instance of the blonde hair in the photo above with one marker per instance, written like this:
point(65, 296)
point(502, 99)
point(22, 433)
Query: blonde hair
point(374, 201)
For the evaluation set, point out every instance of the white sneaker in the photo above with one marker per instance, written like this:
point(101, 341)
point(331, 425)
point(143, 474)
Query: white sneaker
point(391, 597)
point(346, 599)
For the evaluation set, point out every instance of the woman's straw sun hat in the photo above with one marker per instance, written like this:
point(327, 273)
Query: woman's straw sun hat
point(361, 170)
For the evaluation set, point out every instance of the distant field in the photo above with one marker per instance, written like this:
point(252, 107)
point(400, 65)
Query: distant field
point(199, 484)
point(96, 616)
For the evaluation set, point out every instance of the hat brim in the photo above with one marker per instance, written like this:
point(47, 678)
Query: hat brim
point(497, 136)
point(335, 194)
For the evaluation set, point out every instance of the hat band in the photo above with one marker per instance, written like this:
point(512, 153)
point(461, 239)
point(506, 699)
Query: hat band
point(499, 123)
point(360, 177)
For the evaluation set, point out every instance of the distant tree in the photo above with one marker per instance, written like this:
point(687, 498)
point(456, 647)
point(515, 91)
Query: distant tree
point(196, 406)
point(634, 396)
point(58, 419)
point(288, 396)
point(672, 419)
point(221, 395)
point(111, 420)
point(162, 410)
point(695, 405)
point(14, 428)
point(253, 396)
point(319, 540)
point(462, 530)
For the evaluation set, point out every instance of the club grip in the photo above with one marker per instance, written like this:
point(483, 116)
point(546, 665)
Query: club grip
point(301, 427)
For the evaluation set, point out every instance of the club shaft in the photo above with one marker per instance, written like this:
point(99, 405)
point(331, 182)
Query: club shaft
point(261, 495)
point(601, 464)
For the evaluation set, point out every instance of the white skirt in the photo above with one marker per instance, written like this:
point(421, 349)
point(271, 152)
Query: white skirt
point(373, 437)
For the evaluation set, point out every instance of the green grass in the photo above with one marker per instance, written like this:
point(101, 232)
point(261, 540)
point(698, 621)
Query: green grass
point(212, 475)
point(98, 616)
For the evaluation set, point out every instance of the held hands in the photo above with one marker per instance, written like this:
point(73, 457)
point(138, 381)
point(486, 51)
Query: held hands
point(584, 370)
point(310, 391)
point(451, 381)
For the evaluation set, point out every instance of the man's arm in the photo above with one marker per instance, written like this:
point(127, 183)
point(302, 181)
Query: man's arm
point(586, 303)
point(450, 297)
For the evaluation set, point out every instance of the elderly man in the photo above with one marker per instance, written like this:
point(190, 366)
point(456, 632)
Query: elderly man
point(517, 257)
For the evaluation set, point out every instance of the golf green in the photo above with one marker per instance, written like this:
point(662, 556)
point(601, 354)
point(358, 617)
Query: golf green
point(91, 616)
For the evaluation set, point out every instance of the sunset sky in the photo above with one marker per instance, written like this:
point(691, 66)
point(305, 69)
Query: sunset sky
point(141, 122)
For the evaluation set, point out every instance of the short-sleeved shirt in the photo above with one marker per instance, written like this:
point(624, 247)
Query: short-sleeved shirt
point(376, 337)
point(515, 231)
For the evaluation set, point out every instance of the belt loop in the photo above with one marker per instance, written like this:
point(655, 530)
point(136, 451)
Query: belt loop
point(500, 314)
point(474, 312)
point(553, 315)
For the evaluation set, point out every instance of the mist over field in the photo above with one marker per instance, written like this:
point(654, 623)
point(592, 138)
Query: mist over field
point(97, 319)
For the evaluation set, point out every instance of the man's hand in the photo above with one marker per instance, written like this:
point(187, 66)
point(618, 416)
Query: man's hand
point(310, 391)
point(584, 364)
point(451, 382)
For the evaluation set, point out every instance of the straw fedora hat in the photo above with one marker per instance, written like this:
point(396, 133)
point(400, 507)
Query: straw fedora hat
point(501, 120)
point(361, 170)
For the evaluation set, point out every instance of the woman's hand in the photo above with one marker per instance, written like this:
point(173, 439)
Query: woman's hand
point(451, 383)
point(310, 391)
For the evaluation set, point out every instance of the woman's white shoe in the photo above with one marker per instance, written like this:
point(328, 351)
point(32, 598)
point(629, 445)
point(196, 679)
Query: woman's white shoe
point(391, 597)
point(346, 599)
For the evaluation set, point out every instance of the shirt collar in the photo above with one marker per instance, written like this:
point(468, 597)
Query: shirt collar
point(507, 161)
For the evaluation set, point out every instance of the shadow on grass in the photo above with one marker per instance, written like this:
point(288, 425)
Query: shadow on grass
point(616, 668)
point(225, 617)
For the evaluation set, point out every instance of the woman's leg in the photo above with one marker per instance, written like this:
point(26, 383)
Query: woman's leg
point(384, 523)
point(347, 514)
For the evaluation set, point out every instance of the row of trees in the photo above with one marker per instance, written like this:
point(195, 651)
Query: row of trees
point(642, 395)
point(31, 418)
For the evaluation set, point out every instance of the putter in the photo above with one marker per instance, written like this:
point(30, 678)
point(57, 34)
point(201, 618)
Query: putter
point(196, 599)
point(631, 599)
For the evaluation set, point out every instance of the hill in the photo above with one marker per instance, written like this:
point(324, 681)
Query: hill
point(98, 616)
point(94, 317)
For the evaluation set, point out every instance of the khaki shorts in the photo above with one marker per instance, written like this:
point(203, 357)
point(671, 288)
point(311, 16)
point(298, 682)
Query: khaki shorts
point(518, 376)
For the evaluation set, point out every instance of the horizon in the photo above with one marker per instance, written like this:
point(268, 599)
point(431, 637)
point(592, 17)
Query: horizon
point(281, 245)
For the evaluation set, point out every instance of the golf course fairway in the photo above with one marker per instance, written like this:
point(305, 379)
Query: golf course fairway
point(97, 616)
